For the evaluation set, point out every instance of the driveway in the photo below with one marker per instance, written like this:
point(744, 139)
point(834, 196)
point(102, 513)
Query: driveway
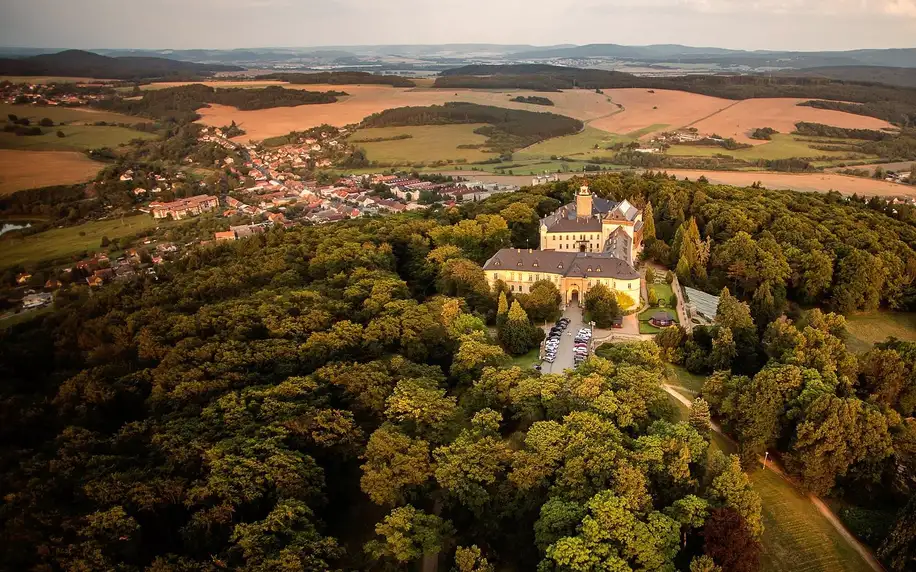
point(565, 356)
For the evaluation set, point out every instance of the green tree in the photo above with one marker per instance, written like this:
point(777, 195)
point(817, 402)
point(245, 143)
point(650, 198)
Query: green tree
point(285, 539)
point(542, 303)
point(613, 537)
point(395, 463)
point(700, 417)
point(733, 313)
point(650, 275)
point(517, 335)
point(421, 404)
point(648, 229)
point(601, 306)
point(899, 548)
point(731, 488)
point(471, 560)
point(407, 534)
point(704, 564)
point(729, 542)
point(723, 349)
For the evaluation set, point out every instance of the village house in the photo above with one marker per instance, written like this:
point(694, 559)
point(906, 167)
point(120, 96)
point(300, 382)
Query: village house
point(36, 300)
point(184, 208)
point(226, 235)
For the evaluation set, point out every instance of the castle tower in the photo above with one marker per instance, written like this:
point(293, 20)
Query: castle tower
point(583, 202)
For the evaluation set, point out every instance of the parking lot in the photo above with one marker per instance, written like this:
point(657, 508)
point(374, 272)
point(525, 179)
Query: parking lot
point(565, 349)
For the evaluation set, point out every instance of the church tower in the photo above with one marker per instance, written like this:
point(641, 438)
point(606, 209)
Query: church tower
point(583, 202)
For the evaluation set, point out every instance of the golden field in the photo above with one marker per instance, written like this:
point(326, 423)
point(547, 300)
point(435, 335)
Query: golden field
point(32, 169)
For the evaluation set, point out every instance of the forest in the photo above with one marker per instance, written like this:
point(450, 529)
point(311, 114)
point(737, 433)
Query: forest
point(507, 129)
point(894, 104)
point(339, 78)
point(533, 99)
point(180, 104)
point(341, 404)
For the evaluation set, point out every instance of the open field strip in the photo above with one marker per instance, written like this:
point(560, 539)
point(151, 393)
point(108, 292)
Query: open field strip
point(781, 147)
point(71, 240)
point(866, 329)
point(68, 115)
point(578, 146)
point(647, 111)
point(45, 79)
point(426, 144)
point(77, 138)
point(31, 169)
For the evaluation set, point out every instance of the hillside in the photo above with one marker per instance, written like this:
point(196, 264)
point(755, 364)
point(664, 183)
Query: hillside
point(688, 54)
point(899, 76)
point(77, 63)
point(890, 103)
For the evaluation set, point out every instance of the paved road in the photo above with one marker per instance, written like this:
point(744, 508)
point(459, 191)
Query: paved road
point(565, 359)
point(822, 508)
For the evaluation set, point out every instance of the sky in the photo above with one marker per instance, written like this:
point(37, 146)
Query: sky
point(226, 24)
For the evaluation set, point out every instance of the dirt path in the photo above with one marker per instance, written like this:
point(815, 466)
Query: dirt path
point(822, 508)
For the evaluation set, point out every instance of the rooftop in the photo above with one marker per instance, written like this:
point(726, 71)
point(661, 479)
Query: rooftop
point(570, 264)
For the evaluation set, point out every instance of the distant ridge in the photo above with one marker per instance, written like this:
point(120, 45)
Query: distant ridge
point(78, 63)
point(903, 57)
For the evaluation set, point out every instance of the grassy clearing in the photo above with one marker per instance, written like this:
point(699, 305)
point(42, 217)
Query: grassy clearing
point(796, 536)
point(32, 169)
point(664, 293)
point(870, 328)
point(782, 146)
point(77, 138)
point(691, 383)
point(646, 130)
point(428, 143)
point(528, 360)
point(63, 242)
point(578, 146)
point(68, 115)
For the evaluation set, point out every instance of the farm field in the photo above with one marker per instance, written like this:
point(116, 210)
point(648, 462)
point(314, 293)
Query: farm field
point(865, 330)
point(77, 138)
point(782, 146)
point(31, 169)
point(578, 146)
point(796, 536)
point(649, 113)
point(364, 100)
point(70, 115)
point(636, 113)
point(427, 144)
point(779, 113)
point(805, 182)
point(62, 242)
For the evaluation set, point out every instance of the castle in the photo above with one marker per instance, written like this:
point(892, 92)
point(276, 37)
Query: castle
point(587, 242)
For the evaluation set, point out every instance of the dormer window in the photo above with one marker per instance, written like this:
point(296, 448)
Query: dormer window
point(589, 269)
point(519, 263)
point(560, 266)
point(599, 269)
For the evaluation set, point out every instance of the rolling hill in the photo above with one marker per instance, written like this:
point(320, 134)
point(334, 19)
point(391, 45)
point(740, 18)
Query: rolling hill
point(78, 63)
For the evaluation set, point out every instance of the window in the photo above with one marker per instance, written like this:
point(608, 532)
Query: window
point(496, 276)
point(512, 287)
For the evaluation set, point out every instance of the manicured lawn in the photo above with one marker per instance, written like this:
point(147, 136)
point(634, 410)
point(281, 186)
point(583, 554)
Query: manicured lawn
point(23, 316)
point(683, 379)
point(528, 360)
point(428, 143)
point(870, 328)
point(77, 138)
point(62, 242)
point(796, 536)
point(783, 146)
